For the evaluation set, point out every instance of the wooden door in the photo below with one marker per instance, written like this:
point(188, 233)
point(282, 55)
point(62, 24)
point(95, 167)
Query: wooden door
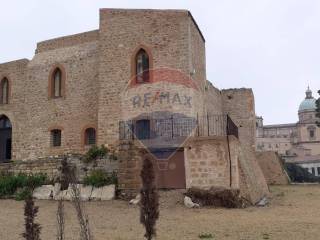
point(169, 168)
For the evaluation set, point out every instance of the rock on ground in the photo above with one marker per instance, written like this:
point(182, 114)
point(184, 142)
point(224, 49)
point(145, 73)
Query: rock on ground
point(44, 192)
point(136, 200)
point(189, 204)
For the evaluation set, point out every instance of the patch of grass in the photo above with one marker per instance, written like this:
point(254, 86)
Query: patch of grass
point(99, 178)
point(206, 236)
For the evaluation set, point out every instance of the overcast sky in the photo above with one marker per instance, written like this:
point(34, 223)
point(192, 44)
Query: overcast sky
point(271, 46)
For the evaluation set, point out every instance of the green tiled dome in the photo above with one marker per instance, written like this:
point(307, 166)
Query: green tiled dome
point(309, 103)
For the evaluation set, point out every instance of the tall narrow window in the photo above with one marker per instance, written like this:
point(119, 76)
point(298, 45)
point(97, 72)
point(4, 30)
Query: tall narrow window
point(57, 83)
point(4, 91)
point(142, 66)
point(312, 132)
point(90, 136)
point(56, 138)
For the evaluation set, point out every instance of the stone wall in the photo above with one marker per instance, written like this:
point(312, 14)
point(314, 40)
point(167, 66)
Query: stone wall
point(207, 162)
point(130, 164)
point(165, 35)
point(272, 168)
point(16, 73)
point(51, 166)
point(67, 41)
point(212, 100)
point(239, 105)
point(33, 113)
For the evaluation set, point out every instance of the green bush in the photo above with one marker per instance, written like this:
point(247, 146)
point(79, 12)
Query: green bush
point(9, 183)
point(99, 178)
point(95, 152)
point(23, 194)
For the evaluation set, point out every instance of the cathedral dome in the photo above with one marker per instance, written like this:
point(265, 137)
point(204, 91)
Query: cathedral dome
point(309, 103)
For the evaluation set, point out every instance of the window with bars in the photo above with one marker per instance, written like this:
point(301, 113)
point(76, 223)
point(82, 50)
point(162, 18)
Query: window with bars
point(143, 129)
point(4, 93)
point(142, 66)
point(56, 138)
point(90, 136)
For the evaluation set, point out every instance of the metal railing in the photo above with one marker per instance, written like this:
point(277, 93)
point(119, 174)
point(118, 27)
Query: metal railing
point(176, 127)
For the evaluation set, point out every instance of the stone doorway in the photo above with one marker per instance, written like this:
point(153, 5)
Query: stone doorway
point(5, 139)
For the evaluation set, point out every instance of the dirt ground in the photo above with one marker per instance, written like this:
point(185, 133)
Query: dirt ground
point(294, 213)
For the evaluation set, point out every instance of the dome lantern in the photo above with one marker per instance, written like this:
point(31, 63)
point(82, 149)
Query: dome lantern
point(309, 103)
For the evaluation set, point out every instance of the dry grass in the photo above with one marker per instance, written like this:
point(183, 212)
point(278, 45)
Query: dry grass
point(294, 214)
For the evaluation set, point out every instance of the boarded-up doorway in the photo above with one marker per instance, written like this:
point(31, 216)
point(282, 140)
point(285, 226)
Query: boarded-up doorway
point(169, 168)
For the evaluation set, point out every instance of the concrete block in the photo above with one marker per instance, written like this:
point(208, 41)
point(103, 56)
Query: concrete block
point(103, 193)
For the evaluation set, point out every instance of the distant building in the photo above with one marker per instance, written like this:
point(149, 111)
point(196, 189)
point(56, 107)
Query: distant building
point(295, 142)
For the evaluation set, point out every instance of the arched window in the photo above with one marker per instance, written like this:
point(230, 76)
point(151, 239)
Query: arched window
point(142, 66)
point(57, 83)
point(90, 136)
point(55, 138)
point(4, 94)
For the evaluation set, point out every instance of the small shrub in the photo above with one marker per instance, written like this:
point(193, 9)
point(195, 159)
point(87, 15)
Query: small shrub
point(206, 236)
point(95, 153)
point(23, 194)
point(35, 180)
point(99, 178)
point(299, 174)
point(9, 183)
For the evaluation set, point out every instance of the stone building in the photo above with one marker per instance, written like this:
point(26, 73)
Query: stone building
point(139, 81)
point(295, 142)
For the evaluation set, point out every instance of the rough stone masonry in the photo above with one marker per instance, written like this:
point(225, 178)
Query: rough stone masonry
point(75, 83)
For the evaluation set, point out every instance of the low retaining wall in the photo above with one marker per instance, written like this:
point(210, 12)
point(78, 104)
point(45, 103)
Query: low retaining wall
point(86, 193)
point(51, 166)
